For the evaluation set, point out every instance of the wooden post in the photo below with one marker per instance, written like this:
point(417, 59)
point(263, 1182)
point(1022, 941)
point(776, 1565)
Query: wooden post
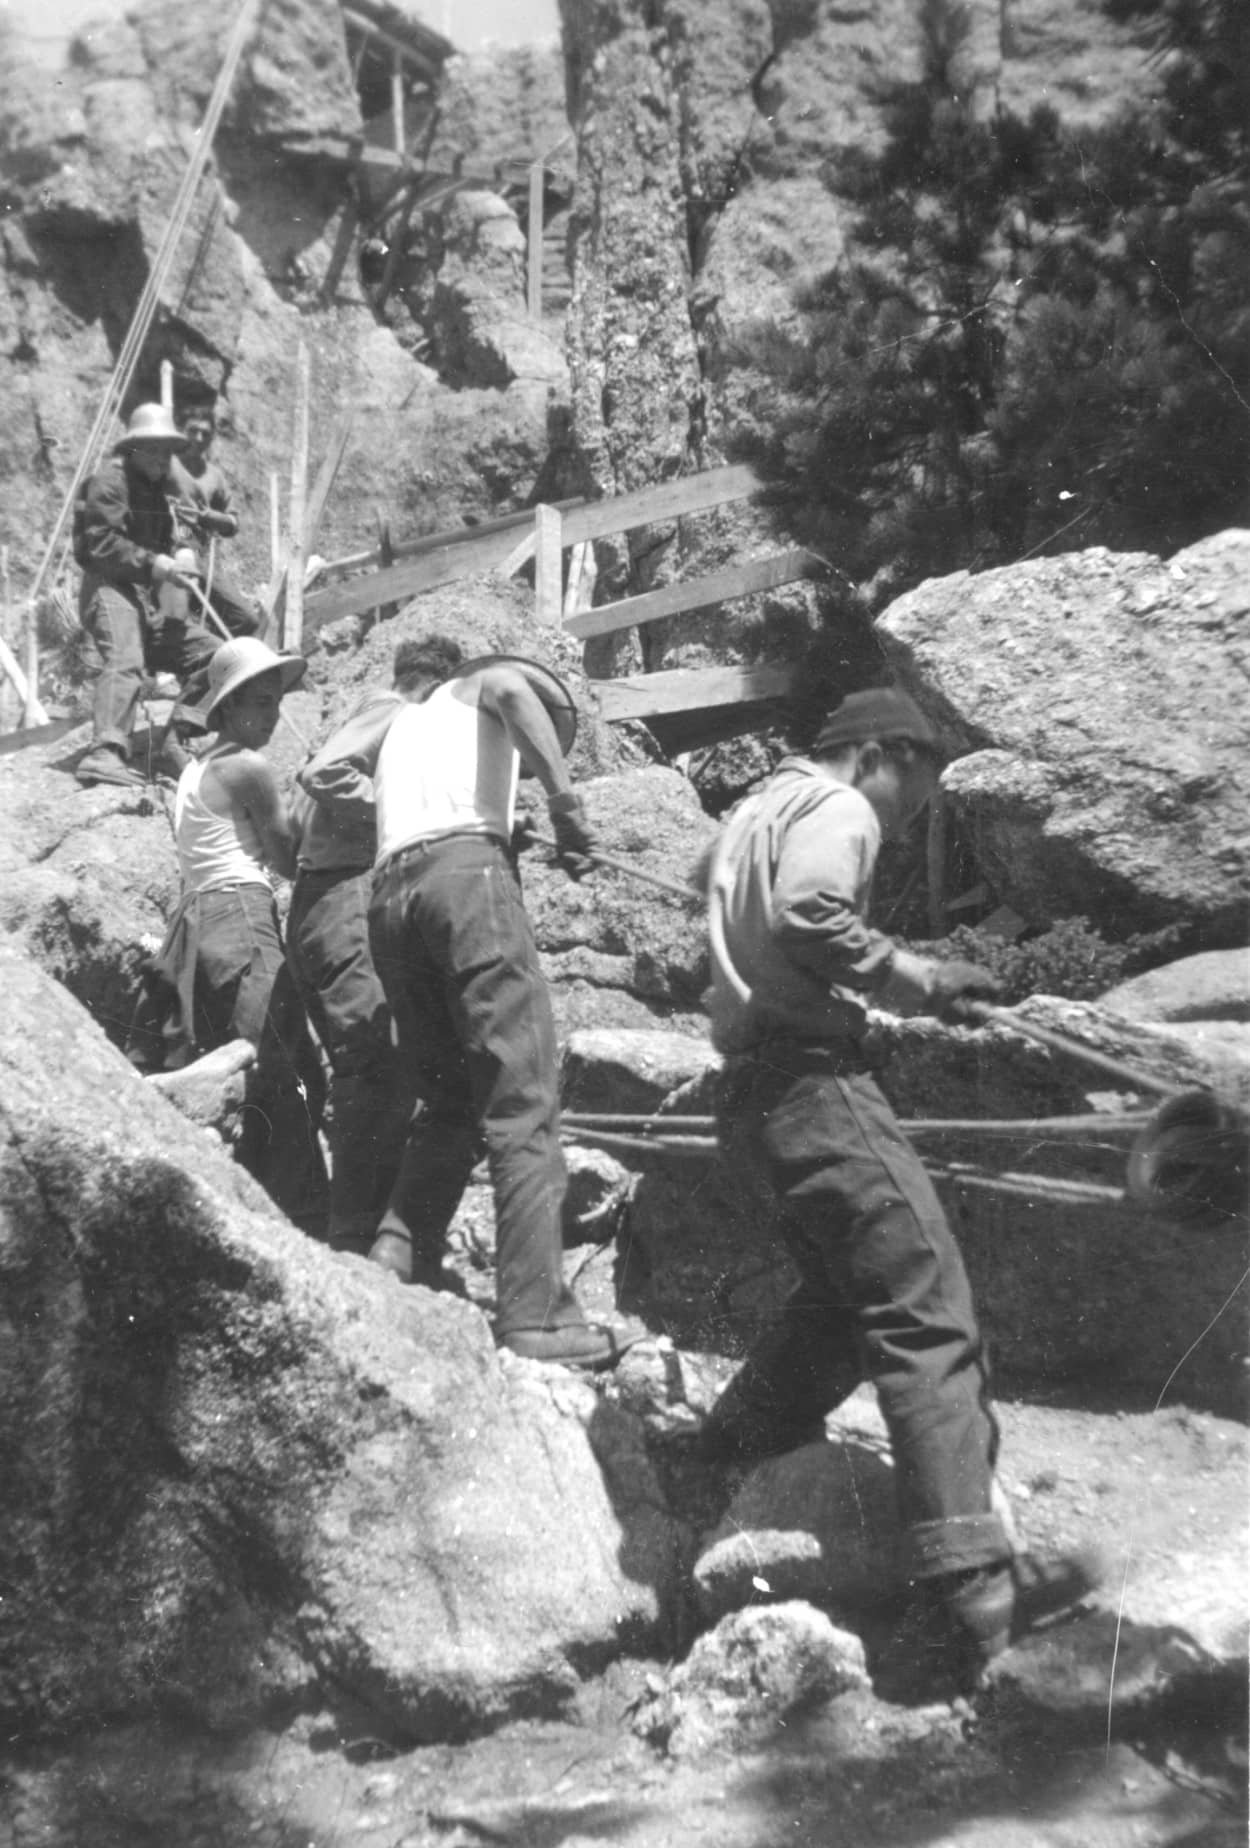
point(275, 523)
point(582, 573)
point(935, 861)
point(10, 718)
point(297, 535)
point(397, 101)
point(33, 713)
point(534, 290)
point(167, 385)
point(548, 588)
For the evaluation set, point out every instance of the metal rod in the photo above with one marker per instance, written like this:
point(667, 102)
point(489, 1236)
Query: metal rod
point(1022, 1129)
point(1119, 1069)
point(631, 872)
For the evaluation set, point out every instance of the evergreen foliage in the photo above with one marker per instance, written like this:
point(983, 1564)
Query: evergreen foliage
point(1041, 340)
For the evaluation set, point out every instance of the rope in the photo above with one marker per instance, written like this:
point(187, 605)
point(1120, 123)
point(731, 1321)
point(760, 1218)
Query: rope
point(141, 321)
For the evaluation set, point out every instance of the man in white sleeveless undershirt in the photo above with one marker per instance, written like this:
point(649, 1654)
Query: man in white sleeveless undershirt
point(456, 955)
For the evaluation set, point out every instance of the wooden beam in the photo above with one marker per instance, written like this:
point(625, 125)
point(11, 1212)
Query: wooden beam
point(743, 580)
point(519, 555)
point(342, 250)
point(327, 475)
point(21, 686)
point(397, 102)
point(450, 536)
point(714, 487)
point(32, 713)
point(167, 386)
point(378, 35)
point(297, 520)
point(935, 864)
point(548, 576)
point(409, 578)
point(695, 690)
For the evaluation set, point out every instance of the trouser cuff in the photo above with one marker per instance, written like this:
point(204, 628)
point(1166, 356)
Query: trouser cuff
point(958, 1544)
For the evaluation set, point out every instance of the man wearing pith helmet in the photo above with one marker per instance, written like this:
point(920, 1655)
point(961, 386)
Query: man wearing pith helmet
point(882, 1293)
point(124, 542)
point(221, 971)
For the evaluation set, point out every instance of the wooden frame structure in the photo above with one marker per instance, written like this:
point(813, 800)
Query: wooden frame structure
point(701, 704)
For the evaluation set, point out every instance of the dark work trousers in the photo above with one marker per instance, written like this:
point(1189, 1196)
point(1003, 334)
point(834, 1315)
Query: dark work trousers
point(882, 1292)
point(456, 955)
point(327, 946)
point(131, 641)
point(244, 990)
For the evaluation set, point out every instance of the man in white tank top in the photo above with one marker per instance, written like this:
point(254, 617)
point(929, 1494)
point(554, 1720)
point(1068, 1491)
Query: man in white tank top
point(456, 955)
point(221, 970)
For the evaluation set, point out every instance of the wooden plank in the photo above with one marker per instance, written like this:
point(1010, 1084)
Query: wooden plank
point(519, 555)
point(935, 864)
point(12, 742)
point(718, 587)
point(697, 690)
point(167, 386)
point(32, 713)
point(327, 475)
point(409, 578)
point(714, 487)
point(397, 101)
point(548, 557)
point(297, 518)
point(448, 536)
point(348, 225)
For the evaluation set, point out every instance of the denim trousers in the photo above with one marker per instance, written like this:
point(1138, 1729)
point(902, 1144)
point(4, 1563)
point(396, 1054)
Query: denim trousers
point(327, 946)
point(244, 990)
point(882, 1293)
point(132, 641)
point(456, 956)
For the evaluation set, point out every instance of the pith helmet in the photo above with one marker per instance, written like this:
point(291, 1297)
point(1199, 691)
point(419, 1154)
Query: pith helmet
point(150, 423)
point(242, 660)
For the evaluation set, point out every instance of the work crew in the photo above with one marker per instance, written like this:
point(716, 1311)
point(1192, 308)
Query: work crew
point(456, 955)
point(205, 508)
point(221, 974)
point(882, 1293)
point(133, 600)
point(328, 950)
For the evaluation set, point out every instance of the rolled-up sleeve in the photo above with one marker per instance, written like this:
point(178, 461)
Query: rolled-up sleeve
point(821, 887)
point(339, 777)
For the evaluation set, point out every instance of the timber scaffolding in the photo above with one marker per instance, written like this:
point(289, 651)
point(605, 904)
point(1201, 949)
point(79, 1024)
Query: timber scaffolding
point(397, 65)
point(686, 708)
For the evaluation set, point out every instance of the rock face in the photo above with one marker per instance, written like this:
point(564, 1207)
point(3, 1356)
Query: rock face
point(91, 159)
point(237, 1466)
point(1102, 699)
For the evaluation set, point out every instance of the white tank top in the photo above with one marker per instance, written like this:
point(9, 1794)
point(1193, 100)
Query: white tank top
point(213, 850)
point(444, 768)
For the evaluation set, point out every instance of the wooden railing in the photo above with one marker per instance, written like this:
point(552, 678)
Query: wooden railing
point(544, 534)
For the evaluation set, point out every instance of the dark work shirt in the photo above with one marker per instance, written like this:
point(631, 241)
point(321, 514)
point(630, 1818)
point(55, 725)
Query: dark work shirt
point(122, 521)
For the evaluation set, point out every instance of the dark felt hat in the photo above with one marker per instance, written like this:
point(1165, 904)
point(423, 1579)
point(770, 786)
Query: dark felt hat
point(877, 712)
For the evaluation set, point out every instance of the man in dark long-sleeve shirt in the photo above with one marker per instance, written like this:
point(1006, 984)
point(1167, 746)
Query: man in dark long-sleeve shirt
point(882, 1292)
point(124, 542)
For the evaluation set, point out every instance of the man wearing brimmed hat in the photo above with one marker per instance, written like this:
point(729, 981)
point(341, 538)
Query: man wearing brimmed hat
point(456, 955)
point(221, 974)
point(125, 541)
point(882, 1293)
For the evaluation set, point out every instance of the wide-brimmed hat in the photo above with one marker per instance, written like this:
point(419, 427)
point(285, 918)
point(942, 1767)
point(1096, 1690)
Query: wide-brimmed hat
point(150, 423)
point(548, 685)
point(246, 659)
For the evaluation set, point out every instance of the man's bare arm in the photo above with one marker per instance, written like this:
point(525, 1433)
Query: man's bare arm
point(252, 788)
point(508, 694)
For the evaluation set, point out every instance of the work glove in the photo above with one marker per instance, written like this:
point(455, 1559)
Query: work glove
point(575, 839)
point(225, 525)
point(524, 832)
point(954, 983)
point(164, 569)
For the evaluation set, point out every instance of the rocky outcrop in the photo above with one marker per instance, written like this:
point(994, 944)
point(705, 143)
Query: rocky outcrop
point(1214, 986)
point(238, 1467)
point(1101, 701)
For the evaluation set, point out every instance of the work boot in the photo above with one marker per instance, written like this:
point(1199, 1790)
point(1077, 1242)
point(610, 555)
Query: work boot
point(105, 763)
point(974, 1616)
point(587, 1347)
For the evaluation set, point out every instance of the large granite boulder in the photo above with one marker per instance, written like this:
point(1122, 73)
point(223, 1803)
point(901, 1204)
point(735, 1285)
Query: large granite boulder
point(1101, 699)
point(238, 1467)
